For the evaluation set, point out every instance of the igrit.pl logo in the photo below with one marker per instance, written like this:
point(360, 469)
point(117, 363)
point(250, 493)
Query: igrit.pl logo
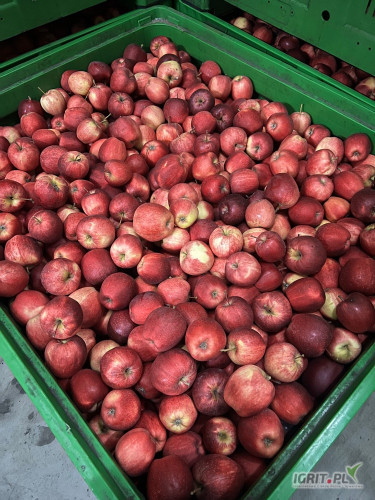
point(323, 480)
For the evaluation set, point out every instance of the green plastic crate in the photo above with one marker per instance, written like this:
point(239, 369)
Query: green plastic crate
point(271, 78)
point(343, 28)
point(219, 17)
point(18, 16)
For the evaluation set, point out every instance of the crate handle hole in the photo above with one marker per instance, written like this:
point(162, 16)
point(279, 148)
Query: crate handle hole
point(326, 15)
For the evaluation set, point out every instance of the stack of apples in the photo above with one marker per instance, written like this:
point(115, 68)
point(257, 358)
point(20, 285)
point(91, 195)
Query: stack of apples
point(345, 73)
point(195, 265)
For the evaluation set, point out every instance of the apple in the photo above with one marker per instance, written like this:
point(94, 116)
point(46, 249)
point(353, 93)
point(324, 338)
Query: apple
point(270, 247)
point(306, 295)
point(120, 409)
point(24, 155)
point(357, 275)
point(356, 312)
point(143, 304)
point(29, 123)
point(117, 290)
point(357, 147)
point(252, 466)
point(60, 276)
point(87, 389)
point(362, 205)
point(169, 477)
point(107, 437)
point(225, 240)
point(307, 211)
point(150, 421)
point(209, 290)
point(196, 257)
point(135, 451)
point(242, 269)
point(305, 255)
point(282, 190)
point(232, 208)
point(321, 374)
point(177, 413)
point(260, 213)
point(37, 336)
point(53, 102)
point(283, 362)
point(144, 385)
point(262, 435)
point(309, 333)
point(248, 390)
point(119, 326)
point(173, 371)
point(335, 238)
point(259, 146)
point(219, 436)
point(61, 317)
point(121, 367)
point(245, 346)
point(204, 339)
point(217, 476)
point(27, 304)
point(95, 231)
point(14, 278)
point(270, 278)
point(187, 446)
point(51, 191)
point(292, 402)
point(153, 222)
point(24, 250)
point(96, 265)
point(345, 346)
point(45, 226)
point(272, 311)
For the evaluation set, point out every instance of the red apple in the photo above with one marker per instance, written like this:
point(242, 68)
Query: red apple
point(309, 333)
point(218, 476)
point(87, 389)
point(292, 402)
point(248, 390)
point(283, 362)
point(121, 409)
point(169, 477)
point(173, 371)
point(262, 435)
point(272, 311)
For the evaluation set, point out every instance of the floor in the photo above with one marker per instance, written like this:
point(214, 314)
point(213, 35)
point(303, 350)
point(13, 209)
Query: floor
point(34, 466)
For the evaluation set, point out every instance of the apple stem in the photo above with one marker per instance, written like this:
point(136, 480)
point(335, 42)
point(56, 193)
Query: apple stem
point(42, 91)
point(196, 490)
point(228, 349)
point(300, 108)
point(106, 117)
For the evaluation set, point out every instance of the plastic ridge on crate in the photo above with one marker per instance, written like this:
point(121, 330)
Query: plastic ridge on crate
point(18, 16)
point(224, 10)
point(273, 79)
point(343, 28)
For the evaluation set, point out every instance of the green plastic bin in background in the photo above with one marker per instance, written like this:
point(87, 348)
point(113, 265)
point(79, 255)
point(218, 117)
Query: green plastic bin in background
point(219, 18)
point(18, 16)
point(343, 28)
point(272, 79)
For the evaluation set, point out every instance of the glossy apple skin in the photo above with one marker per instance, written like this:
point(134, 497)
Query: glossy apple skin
point(283, 362)
point(309, 333)
point(135, 451)
point(321, 374)
point(261, 435)
point(170, 478)
point(292, 402)
point(356, 312)
point(245, 381)
point(219, 475)
point(208, 392)
point(173, 372)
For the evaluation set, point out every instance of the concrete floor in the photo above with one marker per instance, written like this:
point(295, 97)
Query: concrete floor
point(33, 465)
